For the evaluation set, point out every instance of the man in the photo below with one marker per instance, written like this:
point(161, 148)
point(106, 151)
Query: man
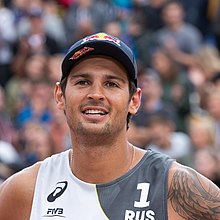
point(181, 40)
point(103, 176)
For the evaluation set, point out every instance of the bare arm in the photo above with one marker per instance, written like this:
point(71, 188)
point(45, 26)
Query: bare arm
point(16, 195)
point(192, 196)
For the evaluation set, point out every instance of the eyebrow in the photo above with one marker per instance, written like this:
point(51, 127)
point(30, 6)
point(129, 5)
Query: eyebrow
point(107, 76)
point(78, 75)
point(114, 77)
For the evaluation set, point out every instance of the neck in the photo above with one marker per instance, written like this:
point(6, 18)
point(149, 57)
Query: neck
point(175, 26)
point(100, 164)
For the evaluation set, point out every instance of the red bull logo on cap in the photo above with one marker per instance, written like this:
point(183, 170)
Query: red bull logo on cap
point(81, 52)
point(101, 36)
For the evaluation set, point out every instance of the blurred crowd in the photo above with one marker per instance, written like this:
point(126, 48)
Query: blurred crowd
point(176, 44)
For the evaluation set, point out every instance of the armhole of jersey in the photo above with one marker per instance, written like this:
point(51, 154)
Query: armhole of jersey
point(166, 186)
point(36, 187)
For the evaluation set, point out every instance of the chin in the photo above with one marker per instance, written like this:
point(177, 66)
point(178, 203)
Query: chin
point(94, 129)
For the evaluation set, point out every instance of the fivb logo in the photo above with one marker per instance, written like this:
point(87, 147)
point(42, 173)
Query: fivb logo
point(55, 212)
point(142, 203)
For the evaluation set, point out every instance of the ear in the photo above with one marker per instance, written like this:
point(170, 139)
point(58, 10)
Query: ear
point(135, 102)
point(59, 97)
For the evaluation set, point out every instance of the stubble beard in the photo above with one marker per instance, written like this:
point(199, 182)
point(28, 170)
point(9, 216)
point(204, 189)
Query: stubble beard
point(81, 129)
point(91, 136)
point(93, 133)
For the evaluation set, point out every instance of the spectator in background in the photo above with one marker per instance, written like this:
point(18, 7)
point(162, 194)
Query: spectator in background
point(114, 28)
point(208, 59)
point(143, 41)
point(35, 67)
point(176, 87)
point(214, 14)
point(6, 126)
point(37, 37)
point(179, 38)
point(208, 164)
point(58, 129)
point(212, 106)
point(152, 103)
point(8, 36)
point(202, 131)
point(152, 14)
point(196, 13)
point(33, 39)
point(80, 19)
point(216, 80)
point(123, 4)
point(85, 17)
point(10, 161)
point(17, 95)
point(53, 23)
point(19, 87)
point(37, 108)
point(166, 140)
point(19, 9)
point(53, 67)
point(37, 143)
point(65, 3)
point(202, 73)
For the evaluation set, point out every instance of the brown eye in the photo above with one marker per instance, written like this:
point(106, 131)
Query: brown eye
point(82, 82)
point(111, 84)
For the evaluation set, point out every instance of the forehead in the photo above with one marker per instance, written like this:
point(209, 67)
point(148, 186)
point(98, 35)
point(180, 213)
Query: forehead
point(172, 6)
point(106, 64)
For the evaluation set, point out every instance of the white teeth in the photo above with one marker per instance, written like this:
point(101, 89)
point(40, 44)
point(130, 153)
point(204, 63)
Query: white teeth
point(93, 111)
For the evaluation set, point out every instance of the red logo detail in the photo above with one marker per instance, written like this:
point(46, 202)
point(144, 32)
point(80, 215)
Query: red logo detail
point(101, 36)
point(81, 52)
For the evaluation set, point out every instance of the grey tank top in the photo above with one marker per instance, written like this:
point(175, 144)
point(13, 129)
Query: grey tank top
point(140, 194)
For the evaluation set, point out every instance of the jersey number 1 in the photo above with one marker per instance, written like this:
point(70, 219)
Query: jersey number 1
point(144, 187)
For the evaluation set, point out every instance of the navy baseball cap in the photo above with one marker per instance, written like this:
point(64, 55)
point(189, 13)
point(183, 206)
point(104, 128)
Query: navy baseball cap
point(101, 44)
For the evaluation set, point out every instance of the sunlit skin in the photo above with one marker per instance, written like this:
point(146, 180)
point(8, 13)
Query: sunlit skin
point(100, 86)
point(96, 104)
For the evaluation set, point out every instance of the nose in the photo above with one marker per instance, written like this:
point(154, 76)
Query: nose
point(96, 92)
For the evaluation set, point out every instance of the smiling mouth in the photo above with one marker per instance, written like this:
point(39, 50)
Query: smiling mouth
point(95, 112)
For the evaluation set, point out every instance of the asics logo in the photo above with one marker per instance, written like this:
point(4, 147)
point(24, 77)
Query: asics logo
point(59, 190)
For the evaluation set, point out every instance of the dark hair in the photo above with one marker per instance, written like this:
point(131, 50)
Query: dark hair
point(132, 90)
point(169, 2)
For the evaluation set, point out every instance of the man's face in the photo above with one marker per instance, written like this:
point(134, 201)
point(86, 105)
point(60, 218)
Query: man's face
point(173, 13)
point(160, 134)
point(97, 98)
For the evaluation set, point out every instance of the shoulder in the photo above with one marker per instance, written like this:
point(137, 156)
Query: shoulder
point(16, 194)
point(190, 27)
point(191, 195)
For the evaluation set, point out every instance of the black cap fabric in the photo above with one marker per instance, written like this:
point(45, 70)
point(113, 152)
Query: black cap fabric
point(100, 44)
